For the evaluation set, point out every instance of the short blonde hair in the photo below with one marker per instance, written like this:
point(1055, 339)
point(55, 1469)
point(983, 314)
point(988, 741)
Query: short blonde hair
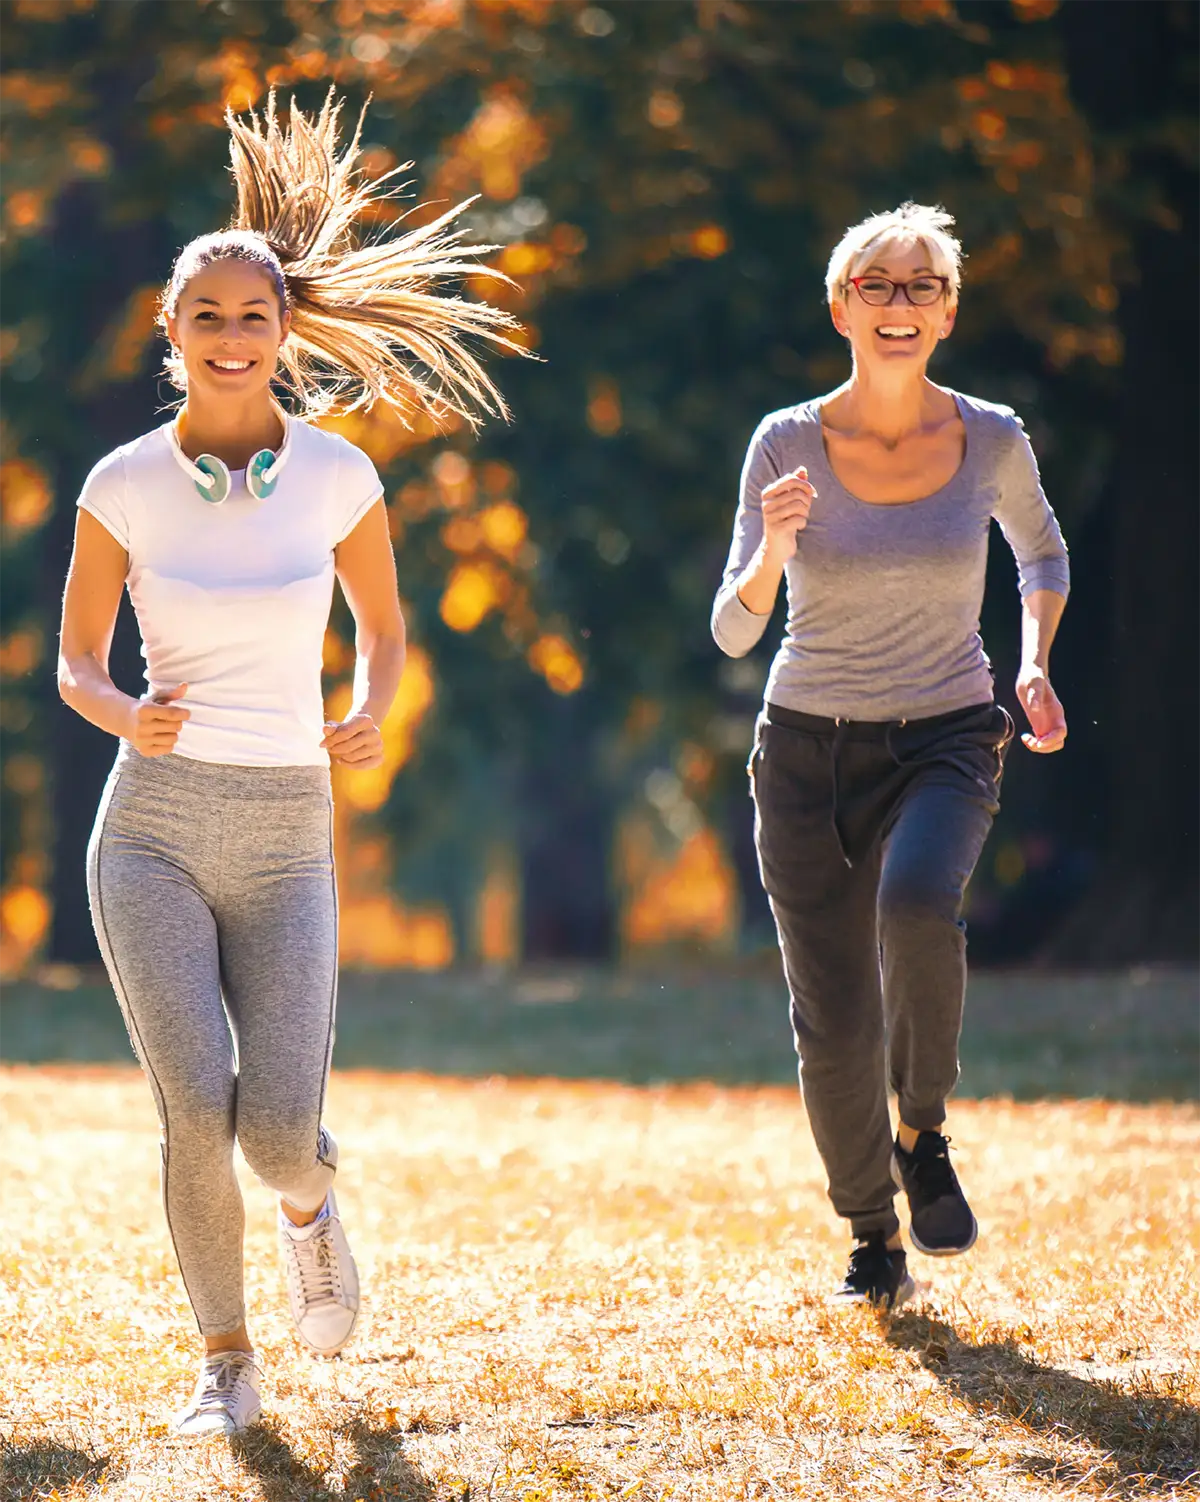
point(898, 229)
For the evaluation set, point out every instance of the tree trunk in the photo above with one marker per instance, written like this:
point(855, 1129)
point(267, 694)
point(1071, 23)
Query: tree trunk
point(566, 832)
point(81, 755)
point(1145, 901)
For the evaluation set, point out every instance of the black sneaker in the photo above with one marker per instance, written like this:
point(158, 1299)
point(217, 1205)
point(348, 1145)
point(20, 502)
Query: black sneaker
point(941, 1223)
point(876, 1276)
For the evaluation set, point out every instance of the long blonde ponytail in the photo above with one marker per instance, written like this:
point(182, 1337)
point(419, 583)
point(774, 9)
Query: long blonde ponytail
point(368, 321)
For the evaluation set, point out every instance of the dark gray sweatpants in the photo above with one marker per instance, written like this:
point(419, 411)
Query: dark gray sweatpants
point(213, 898)
point(867, 835)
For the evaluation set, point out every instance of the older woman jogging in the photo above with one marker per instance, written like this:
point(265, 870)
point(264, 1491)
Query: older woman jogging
point(878, 755)
point(211, 865)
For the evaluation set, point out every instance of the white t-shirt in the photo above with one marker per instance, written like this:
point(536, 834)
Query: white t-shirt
point(233, 600)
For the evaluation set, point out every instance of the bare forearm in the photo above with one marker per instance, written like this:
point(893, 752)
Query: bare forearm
point(377, 674)
point(84, 685)
point(1041, 612)
point(758, 587)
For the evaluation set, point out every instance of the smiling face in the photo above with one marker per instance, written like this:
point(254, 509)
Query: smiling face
point(898, 333)
point(228, 327)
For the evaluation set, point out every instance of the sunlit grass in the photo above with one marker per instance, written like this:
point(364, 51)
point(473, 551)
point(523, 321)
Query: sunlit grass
point(1132, 1035)
point(588, 1291)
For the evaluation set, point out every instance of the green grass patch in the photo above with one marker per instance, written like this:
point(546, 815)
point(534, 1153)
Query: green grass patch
point(1121, 1036)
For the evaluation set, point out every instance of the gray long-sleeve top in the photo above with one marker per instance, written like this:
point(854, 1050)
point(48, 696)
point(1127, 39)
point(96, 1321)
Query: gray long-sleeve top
point(884, 601)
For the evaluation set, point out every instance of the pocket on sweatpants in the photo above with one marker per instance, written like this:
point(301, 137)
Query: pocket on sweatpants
point(1007, 733)
point(755, 749)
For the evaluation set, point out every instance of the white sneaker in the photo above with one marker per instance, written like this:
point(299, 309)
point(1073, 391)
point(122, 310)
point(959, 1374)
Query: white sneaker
point(226, 1397)
point(322, 1279)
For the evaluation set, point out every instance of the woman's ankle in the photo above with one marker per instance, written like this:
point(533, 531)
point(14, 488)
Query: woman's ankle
point(236, 1340)
point(299, 1217)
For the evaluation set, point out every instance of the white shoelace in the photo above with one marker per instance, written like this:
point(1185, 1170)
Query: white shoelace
point(223, 1371)
point(315, 1265)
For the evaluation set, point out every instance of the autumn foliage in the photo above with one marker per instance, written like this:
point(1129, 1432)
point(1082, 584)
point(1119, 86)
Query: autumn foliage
point(666, 180)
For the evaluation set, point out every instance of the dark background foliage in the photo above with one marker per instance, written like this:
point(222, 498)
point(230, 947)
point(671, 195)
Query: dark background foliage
point(675, 174)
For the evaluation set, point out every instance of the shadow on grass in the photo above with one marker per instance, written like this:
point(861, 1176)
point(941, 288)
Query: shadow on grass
point(382, 1473)
point(1151, 1442)
point(28, 1469)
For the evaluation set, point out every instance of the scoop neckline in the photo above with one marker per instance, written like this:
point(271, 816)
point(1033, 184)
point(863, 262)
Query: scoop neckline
point(814, 408)
point(170, 431)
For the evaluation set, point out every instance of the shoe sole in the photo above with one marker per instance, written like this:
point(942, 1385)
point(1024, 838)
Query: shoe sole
point(934, 1251)
point(222, 1433)
point(902, 1295)
point(252, 1420)
point(945, 1251)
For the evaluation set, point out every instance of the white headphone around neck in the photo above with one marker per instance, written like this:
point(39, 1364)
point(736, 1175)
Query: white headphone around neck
point(211, 475)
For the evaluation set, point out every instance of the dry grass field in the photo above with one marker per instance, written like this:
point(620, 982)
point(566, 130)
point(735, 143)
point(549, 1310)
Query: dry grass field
point(589, 1290)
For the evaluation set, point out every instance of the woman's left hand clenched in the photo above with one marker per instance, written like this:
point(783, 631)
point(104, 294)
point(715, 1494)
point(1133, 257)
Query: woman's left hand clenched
point(356, 742)
point(1046, 716)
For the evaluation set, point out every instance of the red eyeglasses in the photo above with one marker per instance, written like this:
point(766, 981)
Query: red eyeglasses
point(879, 291)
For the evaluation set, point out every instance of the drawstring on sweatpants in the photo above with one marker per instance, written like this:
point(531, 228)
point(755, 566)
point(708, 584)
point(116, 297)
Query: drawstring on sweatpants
point(840, 731)
point(887, 738)
point(835, 746)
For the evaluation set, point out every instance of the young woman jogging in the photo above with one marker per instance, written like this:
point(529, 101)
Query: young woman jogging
point(210, 868)
point(878, 755)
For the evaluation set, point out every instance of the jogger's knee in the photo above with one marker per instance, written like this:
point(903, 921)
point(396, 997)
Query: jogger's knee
point(200, 1111)
point(281, 1150)
point(917, 899)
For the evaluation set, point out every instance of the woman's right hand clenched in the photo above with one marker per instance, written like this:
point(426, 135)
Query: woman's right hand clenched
point(156, 721)
point(785, 507)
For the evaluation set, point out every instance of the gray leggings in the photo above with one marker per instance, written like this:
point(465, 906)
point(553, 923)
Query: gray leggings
point(867, 835)
point(213, 898)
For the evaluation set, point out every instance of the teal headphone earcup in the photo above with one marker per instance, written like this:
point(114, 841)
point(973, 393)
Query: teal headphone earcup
point(221, 485)
point(222, 481)
point(259, 488)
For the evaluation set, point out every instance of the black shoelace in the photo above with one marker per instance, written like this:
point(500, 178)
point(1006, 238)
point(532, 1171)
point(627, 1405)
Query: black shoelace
point(932, 1170)
point(867, 1259)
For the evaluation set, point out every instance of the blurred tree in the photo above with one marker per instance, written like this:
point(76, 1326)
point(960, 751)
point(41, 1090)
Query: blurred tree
point(708, 156)
point(1132, 69)
point(669, 179)
point(93, 213)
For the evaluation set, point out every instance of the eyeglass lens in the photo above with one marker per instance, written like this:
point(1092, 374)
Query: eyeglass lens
point(878, 291)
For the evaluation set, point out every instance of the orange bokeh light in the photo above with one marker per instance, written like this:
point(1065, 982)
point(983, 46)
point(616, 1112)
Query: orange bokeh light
point(709, 242)
point(24, 913)
point(556, 660)
point(26, 210)
point(690, 897)
point(604, 407)
point(20, 653)
point(500, 144)
point(472, 592)
point(498, 911)
point(25, 495)
point(504, 527)
point(991, 125)
point(368, 790)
